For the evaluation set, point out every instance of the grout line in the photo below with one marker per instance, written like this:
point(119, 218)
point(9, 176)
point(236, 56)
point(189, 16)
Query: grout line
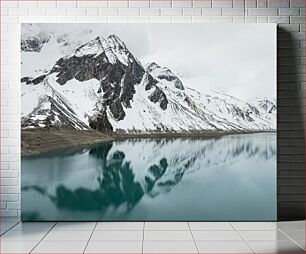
point(193, 238)
point(143, 231)
point(247, 243)
point(290, 238)
point(115, 230)
point(42, 238)
point(90, 237)
point(273, 225)
point(10, 228)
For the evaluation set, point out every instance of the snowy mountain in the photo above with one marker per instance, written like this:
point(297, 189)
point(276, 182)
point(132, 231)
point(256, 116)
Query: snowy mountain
point(101, 85)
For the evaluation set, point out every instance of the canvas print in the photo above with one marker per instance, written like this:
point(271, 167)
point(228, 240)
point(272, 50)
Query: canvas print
point(128, 122)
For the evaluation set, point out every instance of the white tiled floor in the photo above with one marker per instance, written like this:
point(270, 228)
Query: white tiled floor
point(152, 237)
point(114, 247)
point(167, 235)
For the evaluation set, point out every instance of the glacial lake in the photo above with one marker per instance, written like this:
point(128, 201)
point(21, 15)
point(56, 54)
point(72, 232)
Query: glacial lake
point(228, 178)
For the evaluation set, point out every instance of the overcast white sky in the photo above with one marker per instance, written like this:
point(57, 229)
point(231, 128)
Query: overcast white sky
point(239, 59)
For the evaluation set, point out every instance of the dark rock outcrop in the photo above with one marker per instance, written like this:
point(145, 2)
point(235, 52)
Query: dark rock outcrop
point(117, 110)
point(33, 44)
point(164, 74)
point(158, 96)
point(117, 78)
point(101, 123)
point(178, 84)
point(152, 66)
point(25, 79)
point(34, 81)
point(150, 82)
point(39, 79)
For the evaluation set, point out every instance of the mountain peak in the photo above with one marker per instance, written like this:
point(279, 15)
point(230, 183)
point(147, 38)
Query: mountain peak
point(163, 74)
point(114, 37)
point(112, 46)
point(115, 42)
point(151, 67)
point(93, 47)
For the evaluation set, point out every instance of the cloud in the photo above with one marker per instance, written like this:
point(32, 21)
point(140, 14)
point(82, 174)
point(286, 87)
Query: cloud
point(239, 59)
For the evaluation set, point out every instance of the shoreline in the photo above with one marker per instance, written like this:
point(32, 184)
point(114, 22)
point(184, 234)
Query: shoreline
point(198, 135)
point(40, 141)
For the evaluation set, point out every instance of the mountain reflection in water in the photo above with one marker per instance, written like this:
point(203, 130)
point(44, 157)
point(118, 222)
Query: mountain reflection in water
point(155, 179)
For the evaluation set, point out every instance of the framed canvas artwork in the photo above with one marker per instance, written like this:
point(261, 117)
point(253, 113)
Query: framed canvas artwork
point(133, 122)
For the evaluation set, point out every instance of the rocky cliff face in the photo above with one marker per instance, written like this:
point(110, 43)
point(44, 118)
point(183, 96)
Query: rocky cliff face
point(116, 69)
point(118, 72)
point(117, 77)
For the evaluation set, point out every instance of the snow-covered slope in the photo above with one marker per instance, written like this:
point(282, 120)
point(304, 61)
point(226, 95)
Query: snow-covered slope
point(41, 49)
point(101, 85)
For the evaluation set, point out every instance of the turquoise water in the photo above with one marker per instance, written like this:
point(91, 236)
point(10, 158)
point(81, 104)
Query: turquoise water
point(225, 178)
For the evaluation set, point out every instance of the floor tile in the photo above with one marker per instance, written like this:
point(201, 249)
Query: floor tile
point(301, 243)
point(169, 247)
point(60, 247)
point(17, 247)
point(276, 247)
point(160, 237)
point(258, 235)
point(253, 226)
point(216, 236)
point(70, 236)
point(63, 226)
point(290, 225)
point(166, 226)
point(120, 226)
point(297, 235)
point(117, 236)
point(3, 230)
point(8, 224)
point(33, 226)
point(223, 247)
point(167, 235)
point(114, 247)
point(210, 226)
point(5, 226)
point(23, 236)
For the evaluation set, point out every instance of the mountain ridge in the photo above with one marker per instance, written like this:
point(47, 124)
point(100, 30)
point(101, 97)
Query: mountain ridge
point(103, 86)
